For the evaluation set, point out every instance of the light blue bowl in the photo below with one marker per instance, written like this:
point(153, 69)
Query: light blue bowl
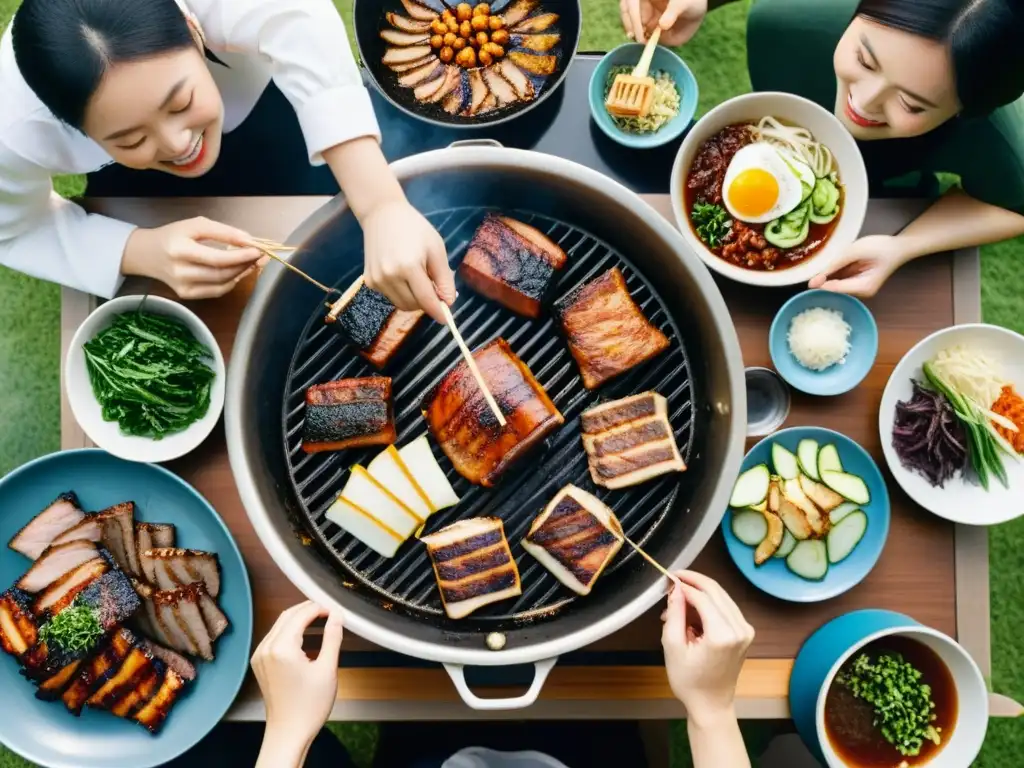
point(44, 732)
point(665, 60)
point(773, 577)
point(839, 378)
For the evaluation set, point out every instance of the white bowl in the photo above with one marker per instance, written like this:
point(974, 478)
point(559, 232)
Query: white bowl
point(972, 694)
point(959, 501)
point(86, 408)
point(826, 128)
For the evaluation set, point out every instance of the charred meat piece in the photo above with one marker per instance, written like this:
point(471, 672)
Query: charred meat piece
point(136, 667)
point(152, 714)
point(112, 597)
point(62, 592)
point(180, 567)
point(630, 441)
point(575, 538)
point(473, 565)
point(350, 413)
point(18, 629)
point(371, 323)
point(99, 668)
point(478, 92)
point(185, 669)
point(55, 562)
point(518, 79)
point(53, 687)
point(512, 263)
point(63, 513)
point(607, 332)
point(141, 692)
point(466, 428)
point(182, 605)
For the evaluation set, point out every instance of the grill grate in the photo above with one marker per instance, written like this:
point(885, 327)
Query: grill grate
point(407, 580)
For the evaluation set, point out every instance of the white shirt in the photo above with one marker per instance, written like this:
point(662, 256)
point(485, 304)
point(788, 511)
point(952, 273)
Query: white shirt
point(480, 757)
point(301, 44)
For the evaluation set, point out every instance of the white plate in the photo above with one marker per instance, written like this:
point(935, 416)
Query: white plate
point(961, 501)
point(86, 408)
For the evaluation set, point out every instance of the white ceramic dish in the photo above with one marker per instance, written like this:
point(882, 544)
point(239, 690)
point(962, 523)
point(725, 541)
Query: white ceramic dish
point(972, 707)
point(826, 128)
point(88, 413)
point(961, 501)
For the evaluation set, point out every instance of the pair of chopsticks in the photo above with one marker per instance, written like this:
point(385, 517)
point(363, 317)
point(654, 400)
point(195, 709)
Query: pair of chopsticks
point(664, 571)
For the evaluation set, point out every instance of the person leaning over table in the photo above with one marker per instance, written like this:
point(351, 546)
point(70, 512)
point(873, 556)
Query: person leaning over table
point(704, 636)
point(154, 93)
point(925, 86)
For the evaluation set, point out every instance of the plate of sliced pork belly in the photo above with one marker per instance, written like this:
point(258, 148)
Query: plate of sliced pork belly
point(125, 613)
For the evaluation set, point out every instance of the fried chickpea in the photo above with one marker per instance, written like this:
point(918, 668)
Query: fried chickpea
point(453, 25)
point(463, 12)
point(496, 22)
point(466, 29)
point(438, 27)
point(450, 38)
point(479, 23)
point(500, 36)
point(482, 9)
point(485, 58)
point(459, 44)
point(447, 15)
point(436, 41)
point(482, 38)
point(493, 49)
point(446, 54)
point(466, 58)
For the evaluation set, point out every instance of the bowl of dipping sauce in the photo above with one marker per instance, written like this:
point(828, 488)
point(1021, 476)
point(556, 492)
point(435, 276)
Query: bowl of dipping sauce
point(823, 343)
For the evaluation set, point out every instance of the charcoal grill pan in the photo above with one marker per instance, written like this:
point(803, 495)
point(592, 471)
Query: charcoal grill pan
point(276, 319)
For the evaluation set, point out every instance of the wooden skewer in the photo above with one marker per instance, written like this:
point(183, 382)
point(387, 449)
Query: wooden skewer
point(471, 363)
point(266, 251)
point(671, 576)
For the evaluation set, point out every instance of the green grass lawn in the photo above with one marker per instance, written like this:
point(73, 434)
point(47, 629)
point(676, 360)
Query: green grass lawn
point(30, 354)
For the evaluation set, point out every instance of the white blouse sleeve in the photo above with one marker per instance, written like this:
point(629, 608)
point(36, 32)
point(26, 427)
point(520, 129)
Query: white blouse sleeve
point(46, 236)
point(312, 62)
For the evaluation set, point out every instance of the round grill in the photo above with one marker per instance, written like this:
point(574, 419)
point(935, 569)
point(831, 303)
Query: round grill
point(407, 581)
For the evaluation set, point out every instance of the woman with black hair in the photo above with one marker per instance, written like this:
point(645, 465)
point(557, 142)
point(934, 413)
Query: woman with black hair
point(925, 86)
point(192, 97)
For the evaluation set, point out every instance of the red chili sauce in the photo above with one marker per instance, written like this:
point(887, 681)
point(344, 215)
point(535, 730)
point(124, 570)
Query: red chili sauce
point(849, 721)
point(745, 246)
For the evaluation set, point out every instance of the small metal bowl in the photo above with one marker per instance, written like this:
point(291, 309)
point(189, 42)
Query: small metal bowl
point(768, 401)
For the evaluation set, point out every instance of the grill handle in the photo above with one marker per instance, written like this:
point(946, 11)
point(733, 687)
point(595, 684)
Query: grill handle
point(541, 669)
point(475, 143)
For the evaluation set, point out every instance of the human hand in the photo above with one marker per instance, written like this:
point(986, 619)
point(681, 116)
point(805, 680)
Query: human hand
point(176, 254)
point(406, 259)
point(705, 639)
point(679, 19)
point(299, 692)
point(863, 268)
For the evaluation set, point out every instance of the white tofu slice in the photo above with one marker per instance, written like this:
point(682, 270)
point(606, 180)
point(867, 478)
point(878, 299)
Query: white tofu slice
point(364, 492)
point(427, 473)
point(388, 469)
point(364, 527)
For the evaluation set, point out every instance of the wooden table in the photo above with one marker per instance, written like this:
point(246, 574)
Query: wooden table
point(932, 570)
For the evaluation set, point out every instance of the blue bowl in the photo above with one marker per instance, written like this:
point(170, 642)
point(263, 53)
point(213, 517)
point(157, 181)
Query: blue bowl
point(773, 577)
point(44, 732)
point(841, 377)
point(664, 60)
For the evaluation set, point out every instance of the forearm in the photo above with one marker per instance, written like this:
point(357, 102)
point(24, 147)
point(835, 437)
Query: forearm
point(281, 750)
point(716, 741)
point(955, 221)
point(363, 174)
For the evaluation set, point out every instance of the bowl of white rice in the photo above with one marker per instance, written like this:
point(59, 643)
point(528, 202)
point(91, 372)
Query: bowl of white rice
point(823, 343)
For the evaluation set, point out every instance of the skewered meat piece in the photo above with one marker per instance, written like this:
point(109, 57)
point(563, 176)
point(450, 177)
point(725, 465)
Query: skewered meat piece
point(405, 24)
point(349, 413)
point(512, 263)
point(153, 713)
point(630, 441)
point(175, 568)
point(539, 43)
point(473, 565)
point(537, 23)
point(185, 669)
point(465, 427)
point(63, 513)
point(62, 592)
point(18, 629)
point(534, 64)
point(575, 538)
point(518, 10)
point(418, 11)
point(55, 562)
point(371, 323)
point(607, 332)
point(97, 669)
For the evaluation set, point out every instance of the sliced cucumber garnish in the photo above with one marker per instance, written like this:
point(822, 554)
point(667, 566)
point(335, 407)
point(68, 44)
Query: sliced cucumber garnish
point(809, 560)
point(848, 486)
point(760, 507)
point(828, 460)
point(786, 464)
point(749, 527)
point(751, 487)
point(807, 454)
point(837, 514)
point(844, 537)
point(788, 542)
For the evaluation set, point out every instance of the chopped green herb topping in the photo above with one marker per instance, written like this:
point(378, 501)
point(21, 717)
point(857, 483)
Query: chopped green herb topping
point(74, 630)
point(711, 222)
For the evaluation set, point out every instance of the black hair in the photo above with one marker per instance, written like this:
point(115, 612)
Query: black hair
point(63, 47)
point(984, 38)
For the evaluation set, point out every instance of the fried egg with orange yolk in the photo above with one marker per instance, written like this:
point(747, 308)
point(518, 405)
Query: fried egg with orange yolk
point(761, 185)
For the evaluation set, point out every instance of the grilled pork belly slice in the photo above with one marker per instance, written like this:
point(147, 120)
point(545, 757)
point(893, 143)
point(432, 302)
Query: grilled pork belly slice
point(53, 687)
point(118, 536)
point(18, 629)
point(137, 665)
point(522, 84)
point(112, 597)
point(405, 24)
point(473, 565)
point(607, 332)
point(153, 713)
point(141, 692)
point(182, 605)
point(575, 538)
point(214, 618)
point(89, 529)
point(393, 56)
point(62, 592)
point(180, 567)
point(419, 11)
point(517, 11)
point(152, 536)
point(348, 413)
point(540, 65)
point(371, 323)
point(511, 262)
point(538, 43)
point(534, 24)
point(161, 533)
point(148, 618)
point(63, 512)
point(99, 668)
point(465, 427)
point(55, 562)
point(185, 669)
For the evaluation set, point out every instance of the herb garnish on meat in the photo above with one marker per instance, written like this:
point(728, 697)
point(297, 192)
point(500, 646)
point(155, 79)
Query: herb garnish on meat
point(711, 222)
point(74, 630)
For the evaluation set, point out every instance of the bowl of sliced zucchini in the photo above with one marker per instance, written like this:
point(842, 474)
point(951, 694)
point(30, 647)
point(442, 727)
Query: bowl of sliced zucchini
point(809, 515)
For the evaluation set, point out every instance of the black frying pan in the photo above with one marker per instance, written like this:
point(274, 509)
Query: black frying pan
point(370, 20)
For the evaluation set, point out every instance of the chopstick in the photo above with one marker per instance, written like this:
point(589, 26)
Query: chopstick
point(267, 248)
point(471, 363)
point(671, 576)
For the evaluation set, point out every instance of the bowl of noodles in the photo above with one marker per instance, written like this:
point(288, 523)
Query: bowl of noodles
point(769, 188)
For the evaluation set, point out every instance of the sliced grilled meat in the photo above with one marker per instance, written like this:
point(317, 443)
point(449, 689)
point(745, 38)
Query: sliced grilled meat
point(517, 11)
point(152, 714)
point(63, 513)
point(607, 332)
point(466, 428)
point(18, 629)
point(405, 24)
point(119, 536)
point(534, 24)
point(539, 43)
point(148, 617)
point(183, 602)
point(172, 625)
point(162, 535)
point(522, 84)
point(616, 413)
point(173, 659)
point(95, 671)
point(180, 567)
point(214, 618)
point(473, 565)
point(393, 56)
point(55, 562)
point(89, 528)
point(419, 11)
point(141, 692)
point(135, 668)
point(53, 687)
point(371, 323)
point(575, 538)
point(152, 536)
point(62, 592)
point(540, 65)
point(348, 413)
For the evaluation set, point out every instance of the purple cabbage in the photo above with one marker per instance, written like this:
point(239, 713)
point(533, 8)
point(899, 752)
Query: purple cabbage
point(928, 436)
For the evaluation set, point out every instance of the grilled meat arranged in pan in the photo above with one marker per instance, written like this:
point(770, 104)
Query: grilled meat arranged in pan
point(371, 323)
point(630, 441)
point(608, 333)
point(513, 264)
point(349, 413)
point(575, 538)
point(473, 565)
point(466, 428)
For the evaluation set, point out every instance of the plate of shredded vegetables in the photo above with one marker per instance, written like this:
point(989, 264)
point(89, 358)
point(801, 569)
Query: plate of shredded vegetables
point(145, 378)
point(952, 424)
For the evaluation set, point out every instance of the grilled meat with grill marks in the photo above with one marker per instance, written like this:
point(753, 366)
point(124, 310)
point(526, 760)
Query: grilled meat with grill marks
point(371, 323)
point(18, 629)
point(152, 714)
point(473, 565)
point(141, 692)
point(55, 562)
point(575, 538)
point(52, 688)
point(512, 263)
point(63, 513)
point(180, 567)
point(349, 413)
point(607, 332)
point(183, 605)
point(466, 428)
point(119, 536)
point(99, 668)
point(137, 665)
